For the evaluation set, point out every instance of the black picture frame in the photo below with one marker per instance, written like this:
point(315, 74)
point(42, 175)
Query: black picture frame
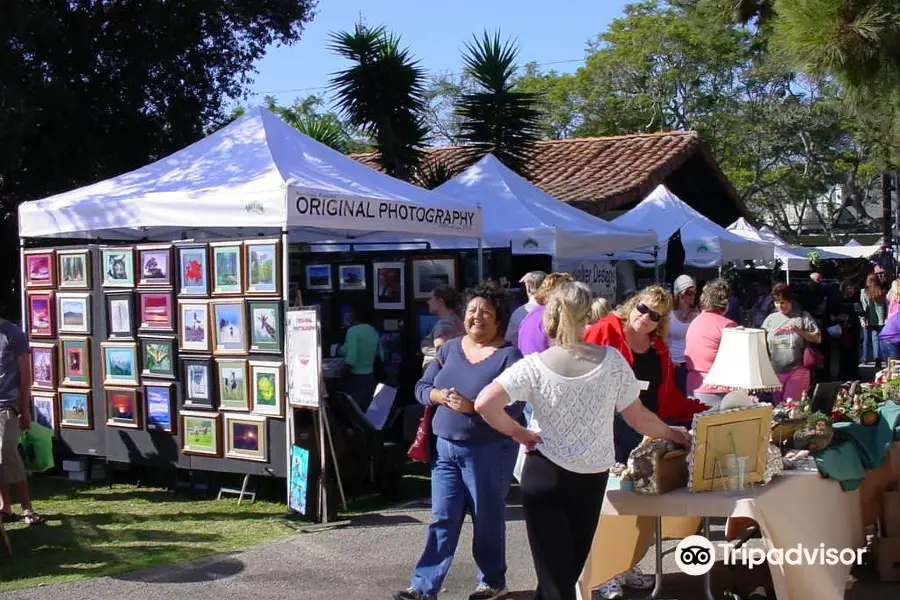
point(171, 393)
point(171, 348)
point(191, 387)
point(129, 334)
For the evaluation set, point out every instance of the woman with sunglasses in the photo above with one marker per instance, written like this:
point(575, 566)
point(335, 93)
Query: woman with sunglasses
point(639, 329)
point(685, 291)
point(703, 338)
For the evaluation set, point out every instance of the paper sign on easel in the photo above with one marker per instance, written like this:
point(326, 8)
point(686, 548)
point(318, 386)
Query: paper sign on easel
point(303, 357)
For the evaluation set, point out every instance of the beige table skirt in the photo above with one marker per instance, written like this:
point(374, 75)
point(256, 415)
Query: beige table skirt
point(794, 509)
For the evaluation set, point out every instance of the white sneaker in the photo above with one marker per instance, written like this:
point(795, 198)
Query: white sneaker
point(611, 590)
point(636, 579)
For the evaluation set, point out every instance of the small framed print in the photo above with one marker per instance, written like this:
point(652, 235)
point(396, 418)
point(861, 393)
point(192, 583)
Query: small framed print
point(158, 357)
point(74, 267)
point(229, 327)
point(227, 269)
point(119, 363)
point(155, 263)
point(266, 329)
point(200, 433)
point(231, 376)
point(246, 437)
point(123, 407)
point(41, 321)
point(118, 267)
point(390, 289)
point(120, 321)
point(75, 361)
point(267, 388)
point(430, 273)
point(193, 326)
point(40, 270)
point(318, 277)
point(193, 270)
point(157, 313)
point(43, 366)
point(73, 312)
point(262, 258)
point(160, 409)
point(352, 277)
point(199, 391)
point(75, 409)
point(43, 408)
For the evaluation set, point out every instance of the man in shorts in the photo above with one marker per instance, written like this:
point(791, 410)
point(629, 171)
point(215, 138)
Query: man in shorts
point(15, 384)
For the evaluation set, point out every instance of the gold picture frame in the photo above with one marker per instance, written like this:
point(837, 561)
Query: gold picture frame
point(744, 431)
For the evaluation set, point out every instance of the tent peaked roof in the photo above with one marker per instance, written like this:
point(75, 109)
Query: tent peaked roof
point(705, 243)
point(521, 215)
point(248, 175)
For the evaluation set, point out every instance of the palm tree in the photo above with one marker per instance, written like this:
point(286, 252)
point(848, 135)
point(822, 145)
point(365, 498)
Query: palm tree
point(382, 94)
point(495, 117)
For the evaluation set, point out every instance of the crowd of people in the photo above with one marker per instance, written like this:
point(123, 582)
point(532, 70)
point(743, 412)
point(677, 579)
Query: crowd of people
point(561, 389)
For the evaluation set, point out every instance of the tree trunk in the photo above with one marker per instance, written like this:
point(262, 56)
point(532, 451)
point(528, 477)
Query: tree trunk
point(887, 226)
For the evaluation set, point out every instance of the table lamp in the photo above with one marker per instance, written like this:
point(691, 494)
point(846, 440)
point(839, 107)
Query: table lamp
point(742, 364)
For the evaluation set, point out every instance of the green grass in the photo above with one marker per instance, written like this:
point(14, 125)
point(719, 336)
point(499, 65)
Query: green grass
point(94, 530)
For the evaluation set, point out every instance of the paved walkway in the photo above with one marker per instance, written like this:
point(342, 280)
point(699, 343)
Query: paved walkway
point(366, 561)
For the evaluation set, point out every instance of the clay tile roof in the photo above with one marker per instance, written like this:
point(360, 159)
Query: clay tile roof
point(597, 174)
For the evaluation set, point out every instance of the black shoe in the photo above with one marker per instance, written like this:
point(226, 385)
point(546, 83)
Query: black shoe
point(412, 594)
point(486, 592)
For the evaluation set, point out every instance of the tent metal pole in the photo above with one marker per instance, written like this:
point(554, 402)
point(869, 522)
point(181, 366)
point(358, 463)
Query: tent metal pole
point(656, 264)
point(22, 283)
point(480, 260)
point(286, 299)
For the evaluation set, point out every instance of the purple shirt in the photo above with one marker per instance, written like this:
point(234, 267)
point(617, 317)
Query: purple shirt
point(531, 333)
point(890, 333)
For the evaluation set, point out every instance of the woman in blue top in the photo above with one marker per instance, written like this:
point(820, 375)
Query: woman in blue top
point(473, 465)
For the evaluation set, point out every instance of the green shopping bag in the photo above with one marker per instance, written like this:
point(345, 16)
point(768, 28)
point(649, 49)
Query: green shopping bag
point(36, 448)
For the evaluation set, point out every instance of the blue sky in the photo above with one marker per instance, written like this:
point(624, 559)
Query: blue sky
point(548, 32)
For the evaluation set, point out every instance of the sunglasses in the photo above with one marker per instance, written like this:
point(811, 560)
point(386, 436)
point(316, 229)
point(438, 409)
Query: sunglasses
point(645, 310)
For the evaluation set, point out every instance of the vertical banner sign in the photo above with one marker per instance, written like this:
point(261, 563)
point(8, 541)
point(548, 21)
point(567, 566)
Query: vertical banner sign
point(599, 276)
point(303, 357)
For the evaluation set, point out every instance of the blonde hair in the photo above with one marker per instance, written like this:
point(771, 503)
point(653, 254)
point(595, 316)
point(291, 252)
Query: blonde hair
point(655, 298)
point(715, 296)
point(599, 309)
point(566, 313)
point(894, 294)
point(550, 281)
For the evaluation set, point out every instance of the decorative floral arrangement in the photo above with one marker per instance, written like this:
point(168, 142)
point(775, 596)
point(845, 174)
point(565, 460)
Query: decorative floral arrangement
point(890, 391)
point(861, 407)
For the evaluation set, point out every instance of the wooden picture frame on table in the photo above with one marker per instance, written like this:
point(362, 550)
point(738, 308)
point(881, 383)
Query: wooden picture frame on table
point(744, 431)
point(75, 409)
point(155, 265)
point(193, 270)
point(117, 267)
point(74, 269)
point(227, 268)
point(123, 407)
point(201, 433)
point(75, 362)
point(41, 317)
point(40, 268)
point(43, 366)
point(389, 285)
point(428, 273)
point(73, 313)
point(246, 437)
point(120, 316)
point(262, 266)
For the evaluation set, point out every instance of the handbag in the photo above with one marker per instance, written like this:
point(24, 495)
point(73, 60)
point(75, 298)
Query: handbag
point(420, 450)
point(812, 358)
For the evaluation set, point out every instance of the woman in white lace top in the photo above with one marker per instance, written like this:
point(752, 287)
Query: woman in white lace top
point(575, 389)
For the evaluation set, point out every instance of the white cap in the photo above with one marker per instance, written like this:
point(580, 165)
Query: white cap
point(682, 283)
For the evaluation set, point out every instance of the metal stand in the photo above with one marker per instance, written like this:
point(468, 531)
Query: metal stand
point(239, 493)
point(334, 461)
point(658, 588)
point(5, 538)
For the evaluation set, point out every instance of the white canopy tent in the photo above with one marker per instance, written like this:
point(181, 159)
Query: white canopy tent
point(705, 243)
point(852, 250)
point(256, 175)
point(794, 258)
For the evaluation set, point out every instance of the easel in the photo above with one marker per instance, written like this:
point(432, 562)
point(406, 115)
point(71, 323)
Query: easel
point(324, 431)
point(239, 493)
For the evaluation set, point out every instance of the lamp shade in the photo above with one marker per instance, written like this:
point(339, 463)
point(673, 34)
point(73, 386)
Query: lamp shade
point(742, 362)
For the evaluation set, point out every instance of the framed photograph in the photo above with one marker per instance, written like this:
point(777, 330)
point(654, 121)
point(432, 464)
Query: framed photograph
point(227, 269)
point(75, 361)
point(158, 357)
point(155, 263)
point(118, 267)
point(430, 273)
point(246, 437)
point(267, 388)
point(123, 407)
point(160, 407)
point(352, 277)
point(198, 382)
point(157, 313)
point(231, 375)
point(263, 260)
point(41, 321)
point(73, 312)
point(229, 327)
point(390, 292)
point(318, 277)
point(75, 409)
point(74, 267)
point(200, 433)
point(40, 270)
point(193, 326)
point(120, 321)
point(43, 366)
point(43, 409)
point(120, 365)
point(193, 270)
point(266, 328)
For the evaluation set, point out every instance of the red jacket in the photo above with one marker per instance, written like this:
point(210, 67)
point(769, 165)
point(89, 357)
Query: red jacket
point(673, 406)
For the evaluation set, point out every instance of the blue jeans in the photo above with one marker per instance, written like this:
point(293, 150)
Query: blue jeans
point(464, 476)
point(871, 350)
point(888, 350)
